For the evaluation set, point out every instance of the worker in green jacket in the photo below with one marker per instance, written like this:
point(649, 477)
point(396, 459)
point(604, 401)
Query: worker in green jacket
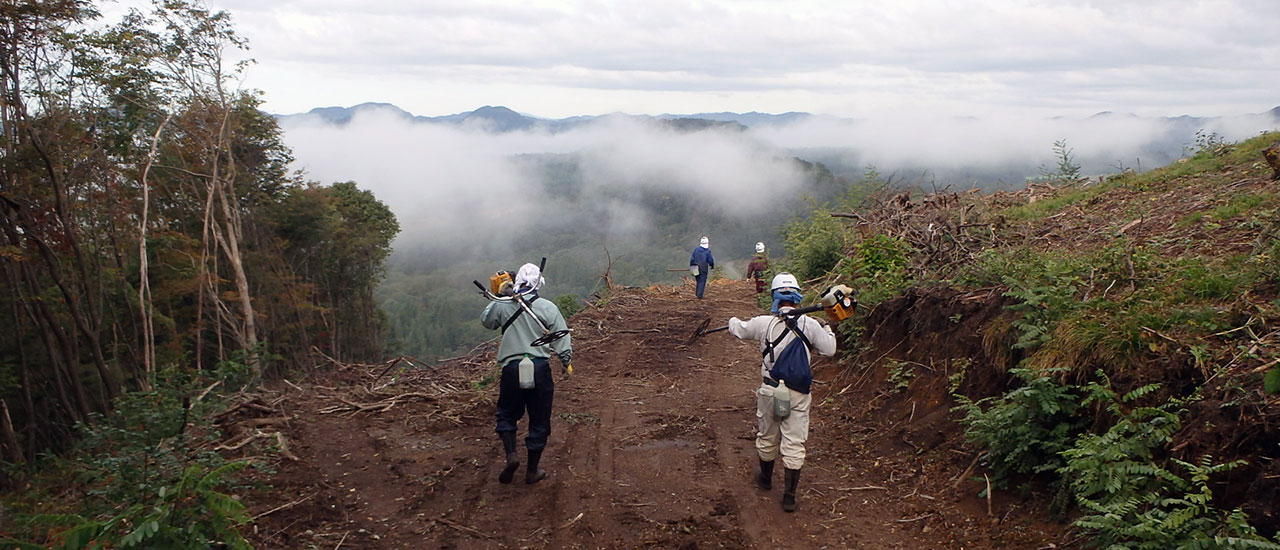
point(533, 389)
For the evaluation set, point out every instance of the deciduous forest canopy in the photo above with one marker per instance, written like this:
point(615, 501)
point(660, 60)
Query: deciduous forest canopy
point(150, 221)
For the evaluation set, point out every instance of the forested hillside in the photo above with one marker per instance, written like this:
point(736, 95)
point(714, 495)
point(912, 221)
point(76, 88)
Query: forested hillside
point(152, 233)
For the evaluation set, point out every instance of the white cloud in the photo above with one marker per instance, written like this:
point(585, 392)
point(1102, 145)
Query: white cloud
point(457, 183)
point(555, 59)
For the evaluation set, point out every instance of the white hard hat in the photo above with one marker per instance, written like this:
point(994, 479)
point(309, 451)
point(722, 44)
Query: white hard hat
point(784, 280)
point(759, 247)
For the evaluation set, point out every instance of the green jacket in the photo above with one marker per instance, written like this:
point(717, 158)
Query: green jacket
point(515, 342)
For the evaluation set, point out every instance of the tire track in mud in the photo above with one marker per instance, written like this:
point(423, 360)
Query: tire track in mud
point(662, 453)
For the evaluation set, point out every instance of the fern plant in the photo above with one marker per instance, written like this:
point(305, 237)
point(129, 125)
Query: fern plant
point(1025, 430)
point(1131, 498)
point(1042, 305)
point(189, 515)
point(1174, 513)
point(1112, 466)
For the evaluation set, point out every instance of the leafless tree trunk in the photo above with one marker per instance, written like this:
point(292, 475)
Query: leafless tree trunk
point(145, 305)
point(12, 448)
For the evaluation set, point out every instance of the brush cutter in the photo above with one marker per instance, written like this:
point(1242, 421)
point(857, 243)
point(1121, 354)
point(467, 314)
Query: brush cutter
point(837, 302)
point(548, 336)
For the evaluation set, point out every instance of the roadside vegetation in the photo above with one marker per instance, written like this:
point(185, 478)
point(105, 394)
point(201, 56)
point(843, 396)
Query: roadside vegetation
point(1140, 318)
point(156, 257)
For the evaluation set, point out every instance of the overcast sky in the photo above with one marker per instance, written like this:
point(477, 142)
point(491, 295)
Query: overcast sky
point(853, 58)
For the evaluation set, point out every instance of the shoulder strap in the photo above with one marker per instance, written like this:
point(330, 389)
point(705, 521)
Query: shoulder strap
point(516, 315)
point(789, 326)
point(512, 319)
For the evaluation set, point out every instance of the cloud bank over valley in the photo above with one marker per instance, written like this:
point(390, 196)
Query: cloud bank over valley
point(469, 184)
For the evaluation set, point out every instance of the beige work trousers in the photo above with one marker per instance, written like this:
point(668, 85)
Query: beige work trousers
point(786, 436)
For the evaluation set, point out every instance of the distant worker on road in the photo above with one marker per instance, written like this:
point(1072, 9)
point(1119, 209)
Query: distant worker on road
point(534, 391)
point(700, 265)
point(782, 400)
point(758, 266)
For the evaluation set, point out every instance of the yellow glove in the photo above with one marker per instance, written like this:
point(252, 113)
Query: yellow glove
point(568, 369)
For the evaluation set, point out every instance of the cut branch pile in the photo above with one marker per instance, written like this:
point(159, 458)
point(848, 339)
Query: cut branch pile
point(374, 388)
point(946, 227)
point(243, 422)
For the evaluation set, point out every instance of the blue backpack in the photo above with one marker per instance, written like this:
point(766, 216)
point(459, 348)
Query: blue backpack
point(791, 364)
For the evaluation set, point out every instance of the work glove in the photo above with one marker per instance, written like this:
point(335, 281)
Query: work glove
point(693, 270)
point(568, 370)
point(834, 294)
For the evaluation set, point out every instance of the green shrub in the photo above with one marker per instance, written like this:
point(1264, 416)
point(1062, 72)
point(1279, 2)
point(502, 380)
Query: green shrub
point(1025, 430)
point(1112, 466)
point(814, 244)
point(879, 269)
point(146, 442)
point(145, 475)
point(900, 374)
point(1175, 512)
point(1067, 170)
point(1131, 498)
point(188, 515)
point(568, 304)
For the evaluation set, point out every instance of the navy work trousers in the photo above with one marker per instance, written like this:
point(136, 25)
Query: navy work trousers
point(513, 402)
point(702, 284)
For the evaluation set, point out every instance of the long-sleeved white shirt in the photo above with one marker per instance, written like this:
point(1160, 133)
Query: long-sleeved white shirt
point(766, 328)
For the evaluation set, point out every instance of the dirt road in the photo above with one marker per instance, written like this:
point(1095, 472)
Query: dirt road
point(652, 447)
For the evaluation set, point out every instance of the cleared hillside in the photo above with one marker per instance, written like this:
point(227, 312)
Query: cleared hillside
point(1108, 345)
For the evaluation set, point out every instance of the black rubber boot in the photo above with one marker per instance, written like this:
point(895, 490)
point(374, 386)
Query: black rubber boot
point(764, 478)
point(513, 458)
point(533, 474)
point(789, 495)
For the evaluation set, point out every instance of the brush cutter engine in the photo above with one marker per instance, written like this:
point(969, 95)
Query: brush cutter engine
point(502, 283)
point(838, 303)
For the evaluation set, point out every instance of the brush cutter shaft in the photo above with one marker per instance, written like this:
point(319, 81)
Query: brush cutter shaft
point(801, 310)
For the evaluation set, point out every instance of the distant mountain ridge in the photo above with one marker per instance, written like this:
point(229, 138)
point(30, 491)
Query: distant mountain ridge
point(499, 119)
